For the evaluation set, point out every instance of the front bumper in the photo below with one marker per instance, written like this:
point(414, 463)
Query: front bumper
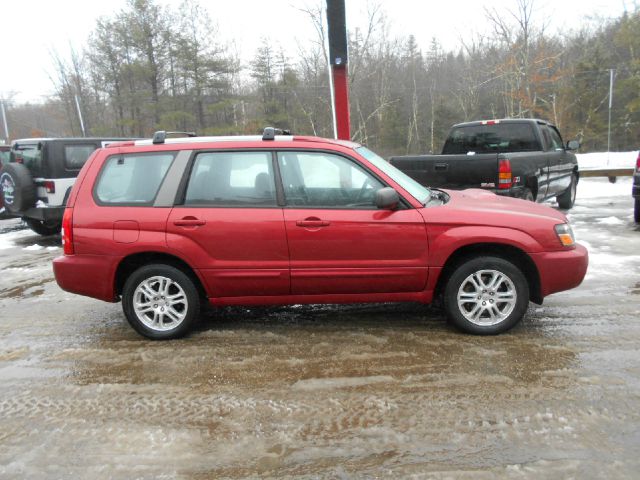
point(561, 270)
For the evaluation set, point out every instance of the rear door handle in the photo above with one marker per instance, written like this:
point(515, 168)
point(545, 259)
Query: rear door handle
point(441, 166)
point(189, 222)
point(312, 222)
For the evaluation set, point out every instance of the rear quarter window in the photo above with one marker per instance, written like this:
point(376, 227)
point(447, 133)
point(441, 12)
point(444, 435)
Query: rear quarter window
point(132, 179)
point(75, 156)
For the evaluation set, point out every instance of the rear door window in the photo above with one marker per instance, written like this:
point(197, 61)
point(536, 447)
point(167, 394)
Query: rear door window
point(232, 179)
point(132, 179)
point(75, 156)
point(495, 138)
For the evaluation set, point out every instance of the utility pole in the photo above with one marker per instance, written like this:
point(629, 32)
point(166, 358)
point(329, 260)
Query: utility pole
point(611, 75)
point(4, 121)
point(337, 33)
point(84, 134)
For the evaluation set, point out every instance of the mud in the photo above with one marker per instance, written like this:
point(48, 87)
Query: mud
point(361, 391)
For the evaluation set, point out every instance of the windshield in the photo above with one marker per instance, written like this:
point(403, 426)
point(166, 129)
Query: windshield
point(417, 191)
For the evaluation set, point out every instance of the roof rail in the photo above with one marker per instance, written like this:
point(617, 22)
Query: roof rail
point(271, 132)
point(160, 136)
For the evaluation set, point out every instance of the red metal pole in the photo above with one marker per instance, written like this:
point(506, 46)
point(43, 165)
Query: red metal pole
point(341, 97)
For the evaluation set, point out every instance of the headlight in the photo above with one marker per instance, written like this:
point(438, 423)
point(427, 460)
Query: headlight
point(565, 234)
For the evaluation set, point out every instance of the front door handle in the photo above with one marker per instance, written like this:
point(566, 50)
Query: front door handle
point(441, 167)
point(312, 222)
point(189, 222)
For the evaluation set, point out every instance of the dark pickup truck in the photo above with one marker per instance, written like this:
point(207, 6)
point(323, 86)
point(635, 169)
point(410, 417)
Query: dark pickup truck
point(524, 158)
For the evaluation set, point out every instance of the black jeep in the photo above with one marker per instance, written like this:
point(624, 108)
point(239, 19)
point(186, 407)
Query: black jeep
point(38, 178)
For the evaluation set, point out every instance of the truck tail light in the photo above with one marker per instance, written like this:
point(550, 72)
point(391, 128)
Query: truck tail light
point(505, 181)
point(638, 163)
point(67, 231)
point(50, 186)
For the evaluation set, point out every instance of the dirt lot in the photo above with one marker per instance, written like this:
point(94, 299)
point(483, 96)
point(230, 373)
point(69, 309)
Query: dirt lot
point(382, 391)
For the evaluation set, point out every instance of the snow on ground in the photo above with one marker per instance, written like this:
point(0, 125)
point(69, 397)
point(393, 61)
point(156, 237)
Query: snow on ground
point(596, 187)
point(595, 160)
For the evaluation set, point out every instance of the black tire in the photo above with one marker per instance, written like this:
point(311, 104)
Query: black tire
point(489, 321)
point(18, 189)
point(147, 275)
point(527, 195)
point(568, 198)
point(44, 228)
point(636, 210)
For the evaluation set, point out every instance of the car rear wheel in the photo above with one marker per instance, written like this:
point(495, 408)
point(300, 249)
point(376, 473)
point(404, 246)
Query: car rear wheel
point(44, 228)
point(568, 198)
point(636, 210)
point(160, 301)
point(486, 295)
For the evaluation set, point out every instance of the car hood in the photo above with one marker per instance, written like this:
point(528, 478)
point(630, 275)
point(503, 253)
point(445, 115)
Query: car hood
point(482, 208)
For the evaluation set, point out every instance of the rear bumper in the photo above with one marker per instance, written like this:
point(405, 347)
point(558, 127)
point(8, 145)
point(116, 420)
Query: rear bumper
point(89, 275)
point(561, 270)
point(44, 214)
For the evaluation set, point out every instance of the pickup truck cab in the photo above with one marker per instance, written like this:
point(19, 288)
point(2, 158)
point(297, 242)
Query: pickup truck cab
point(165, 225)
point(523, 158)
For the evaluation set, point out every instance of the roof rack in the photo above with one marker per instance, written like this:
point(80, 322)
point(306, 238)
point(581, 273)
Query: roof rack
point(160, 136)
point(271, 132)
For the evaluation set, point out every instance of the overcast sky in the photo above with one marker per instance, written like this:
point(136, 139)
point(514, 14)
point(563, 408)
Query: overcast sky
point(31, 29)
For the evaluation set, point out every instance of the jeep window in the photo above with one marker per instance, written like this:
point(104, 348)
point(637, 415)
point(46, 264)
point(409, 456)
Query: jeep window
point(29, 155)
point(4, 157)
point(75, 156)
point(326, 181)
point(499, 137)
point(232, 179)
point(132, 179)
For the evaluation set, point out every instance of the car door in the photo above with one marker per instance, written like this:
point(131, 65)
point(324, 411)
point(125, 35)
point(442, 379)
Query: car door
point(558, 180)
point(563, 163)
point(339, 242)
point(230, 226)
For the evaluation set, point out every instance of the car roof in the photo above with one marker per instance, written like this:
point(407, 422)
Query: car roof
point(502, 120)
point(69, 139)
point(257, 139)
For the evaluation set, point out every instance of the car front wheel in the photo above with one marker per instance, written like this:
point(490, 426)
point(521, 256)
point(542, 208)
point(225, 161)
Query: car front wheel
point(486, 295)
point(160, 301)
point(568, 198)
point(636, 210)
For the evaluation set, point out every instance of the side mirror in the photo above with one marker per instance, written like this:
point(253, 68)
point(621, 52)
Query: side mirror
point(573, 145)
point(387, 198)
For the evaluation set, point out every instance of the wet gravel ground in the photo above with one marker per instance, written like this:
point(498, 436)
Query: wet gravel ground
point(383, 391)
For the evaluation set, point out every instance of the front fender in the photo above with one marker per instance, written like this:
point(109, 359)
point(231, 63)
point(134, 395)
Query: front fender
point(445, 240)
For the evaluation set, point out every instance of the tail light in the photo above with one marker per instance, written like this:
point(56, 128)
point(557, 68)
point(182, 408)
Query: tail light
point(638, 163)
point(67, 231)
point(50, 186)
point(505, 180)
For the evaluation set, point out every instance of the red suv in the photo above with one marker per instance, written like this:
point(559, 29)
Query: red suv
point(166, 224)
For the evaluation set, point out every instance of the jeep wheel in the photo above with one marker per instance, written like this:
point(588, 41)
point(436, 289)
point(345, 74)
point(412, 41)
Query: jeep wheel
point(568, 198)
point(636, 210)
point(160, 301)
point(18, 189)
point(486, 296)
point(44, 228)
